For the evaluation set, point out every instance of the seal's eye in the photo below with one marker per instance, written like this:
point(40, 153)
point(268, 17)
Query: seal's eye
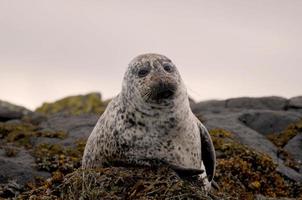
point(143, 72)
point(168, 67)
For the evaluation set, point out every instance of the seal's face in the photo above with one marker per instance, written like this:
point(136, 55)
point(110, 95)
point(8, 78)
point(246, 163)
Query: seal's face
point(153, 77)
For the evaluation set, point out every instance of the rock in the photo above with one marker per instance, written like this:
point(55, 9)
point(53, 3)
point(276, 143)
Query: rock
point(269, 103)
point(57, 138)
point(18, 169)
point(77, 126)
point(35, 141)
point(230, 121)
point(214, 106)
point(54, 140)
point(192, 102)
point(289, 172)
point(267, 122)
point(281, 139)
point(295, 102)
point(23, 133)
point(34, 118)
point(243, 103)
point(10, 111)
point(261, 197)
point(243, 134)
point(75, 105)
point(294, 147)
point(250, 119)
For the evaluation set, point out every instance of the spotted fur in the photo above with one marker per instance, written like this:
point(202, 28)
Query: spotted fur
point(136, 129)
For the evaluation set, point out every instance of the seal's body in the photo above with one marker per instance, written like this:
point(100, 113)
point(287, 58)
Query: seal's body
point(151, 122)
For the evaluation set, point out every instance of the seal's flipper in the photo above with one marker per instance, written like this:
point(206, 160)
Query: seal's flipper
point(181, 171)
point(215, 185)
point(207, 152)
point(186, 172)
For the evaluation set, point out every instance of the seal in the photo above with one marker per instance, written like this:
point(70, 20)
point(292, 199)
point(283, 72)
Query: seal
point(151, 122)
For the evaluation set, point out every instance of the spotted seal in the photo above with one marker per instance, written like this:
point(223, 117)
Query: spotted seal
point(151, 121)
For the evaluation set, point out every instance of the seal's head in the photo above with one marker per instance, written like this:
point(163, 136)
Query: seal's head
point(153, 78)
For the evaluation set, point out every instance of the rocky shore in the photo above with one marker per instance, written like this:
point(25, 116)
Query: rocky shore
point(258, 143)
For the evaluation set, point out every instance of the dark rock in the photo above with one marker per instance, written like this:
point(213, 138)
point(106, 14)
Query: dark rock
point(215, 106)
point(294, 147)
point(295, 102)
point(19, 169)
point(243, 134)
point(77, 127)
point(10, 111)
point(267, 122)
point(288, 172)
point(269, 103)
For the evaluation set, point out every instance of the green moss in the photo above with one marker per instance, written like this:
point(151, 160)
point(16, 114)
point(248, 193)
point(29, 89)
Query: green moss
point(75, 105)
point(244, 172)
point(21, 133)
point(8, 128)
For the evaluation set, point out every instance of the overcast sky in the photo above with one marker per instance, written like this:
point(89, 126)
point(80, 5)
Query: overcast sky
point(229, 48)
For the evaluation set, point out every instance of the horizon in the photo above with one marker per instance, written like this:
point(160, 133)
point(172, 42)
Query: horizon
point(223, 49)
point(104, 99)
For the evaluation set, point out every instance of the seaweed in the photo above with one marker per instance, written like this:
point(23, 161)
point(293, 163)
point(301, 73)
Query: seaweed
point(125, 183)
point(55, 157)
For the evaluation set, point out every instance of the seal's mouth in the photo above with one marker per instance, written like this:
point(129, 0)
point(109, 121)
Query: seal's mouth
point(162, 91)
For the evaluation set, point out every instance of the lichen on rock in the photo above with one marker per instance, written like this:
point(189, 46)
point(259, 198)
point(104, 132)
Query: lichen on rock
point(21, 133)
point(75, 105)
point(244, 172)
point(291, 131)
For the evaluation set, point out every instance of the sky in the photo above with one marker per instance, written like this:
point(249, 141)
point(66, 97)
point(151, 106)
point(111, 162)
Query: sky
point(50, 49)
